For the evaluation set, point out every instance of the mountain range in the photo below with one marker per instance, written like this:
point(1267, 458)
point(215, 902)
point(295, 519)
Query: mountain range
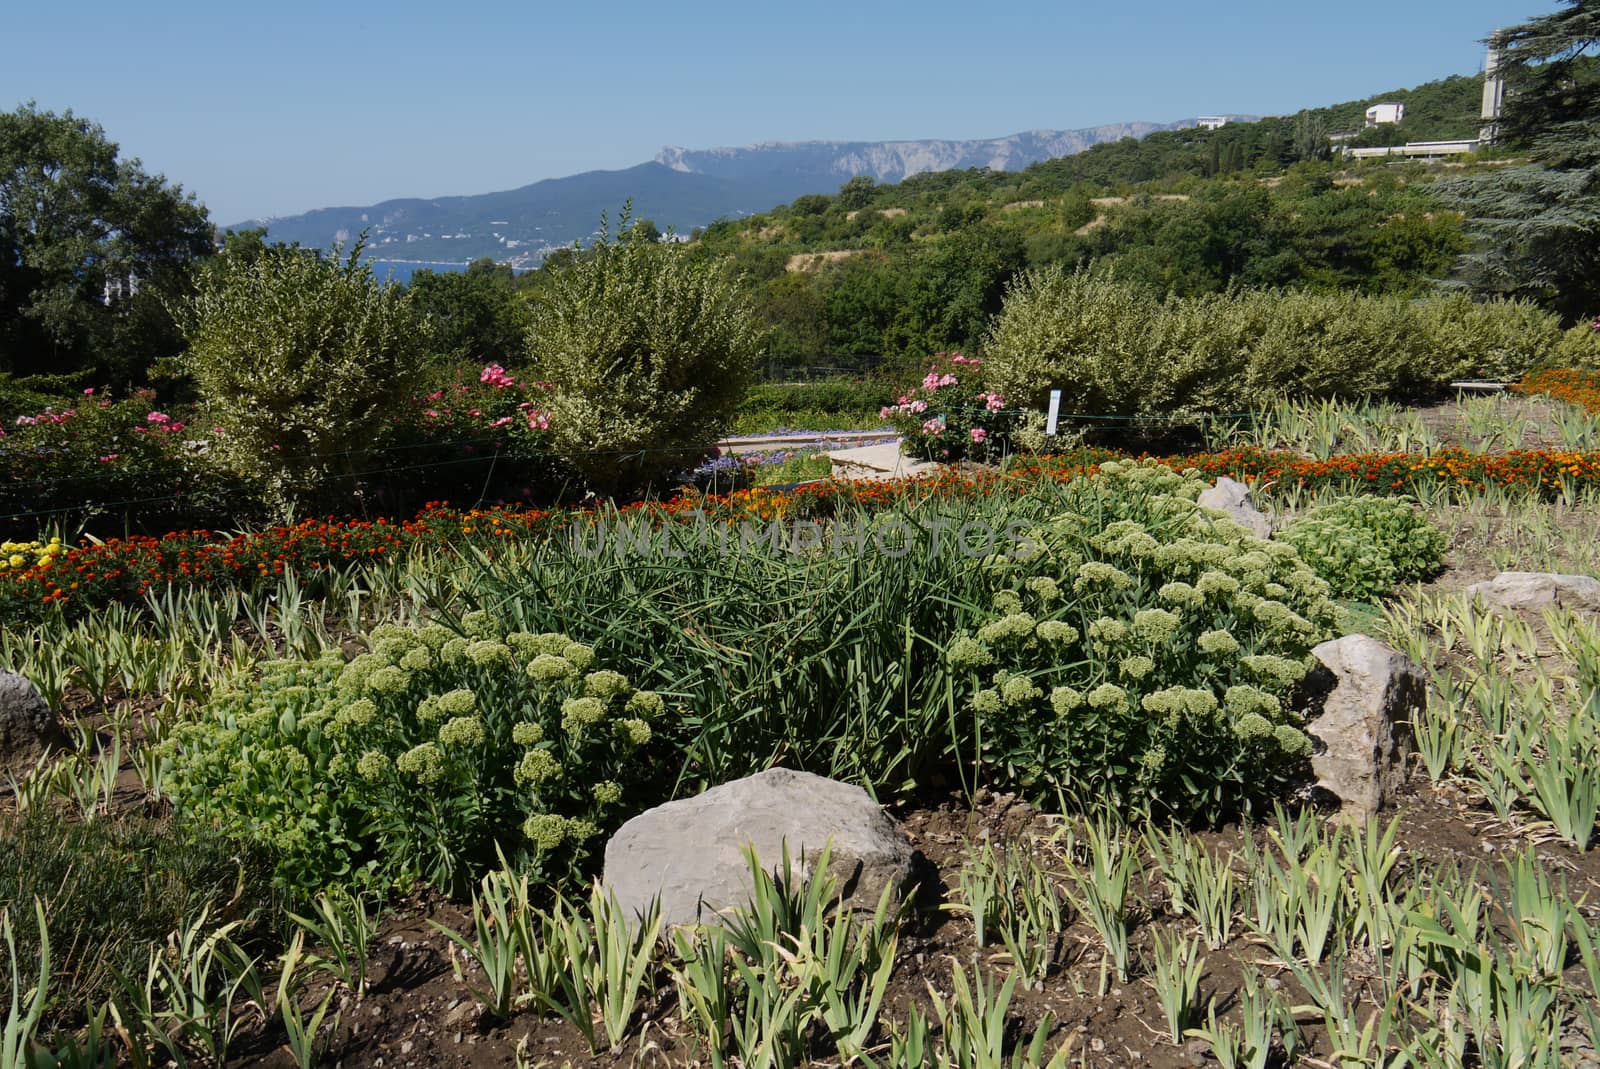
point(681, 188)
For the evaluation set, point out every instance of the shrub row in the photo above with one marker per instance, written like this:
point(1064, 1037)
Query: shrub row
point(1113, 348)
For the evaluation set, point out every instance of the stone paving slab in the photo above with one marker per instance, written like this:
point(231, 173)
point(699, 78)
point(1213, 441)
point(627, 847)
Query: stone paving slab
point(882, 461)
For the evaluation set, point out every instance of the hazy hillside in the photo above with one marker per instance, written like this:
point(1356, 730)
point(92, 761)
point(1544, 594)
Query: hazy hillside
point(682, 188)
point(689, 188)
point(834, 162)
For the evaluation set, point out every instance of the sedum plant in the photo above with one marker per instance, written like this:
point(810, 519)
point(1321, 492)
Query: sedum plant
point(647, 347)
point(1141, 652)
point(1364, 546)
point(418, 759)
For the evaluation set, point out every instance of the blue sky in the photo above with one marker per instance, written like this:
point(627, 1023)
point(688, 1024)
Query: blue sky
point(275, 109)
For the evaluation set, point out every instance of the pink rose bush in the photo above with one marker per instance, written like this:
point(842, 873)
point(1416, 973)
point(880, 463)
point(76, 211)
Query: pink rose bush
point(948, 416)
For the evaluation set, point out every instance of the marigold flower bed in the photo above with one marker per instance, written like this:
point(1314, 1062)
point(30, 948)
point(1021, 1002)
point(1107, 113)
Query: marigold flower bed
point(1573, 386)
point(126, 568)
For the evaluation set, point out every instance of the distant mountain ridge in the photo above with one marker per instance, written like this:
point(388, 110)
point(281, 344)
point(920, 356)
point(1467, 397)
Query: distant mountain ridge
point(682, 188)
point(894, 161)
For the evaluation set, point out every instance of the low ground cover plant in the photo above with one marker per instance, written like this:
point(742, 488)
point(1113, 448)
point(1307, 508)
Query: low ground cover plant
point(1364, 546)
point(112, 888)
point(421, 758)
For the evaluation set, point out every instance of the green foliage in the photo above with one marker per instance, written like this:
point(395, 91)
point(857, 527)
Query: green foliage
point(1141, 657)
point(90, 246)
point(477, 314)
point(93, 455)
point(648, 349)
point(1535, 225)
point(420, 759)
point(304, 363)
point(839, 394)
point(112, 888)
point(1364, 546)
point(1114, 349)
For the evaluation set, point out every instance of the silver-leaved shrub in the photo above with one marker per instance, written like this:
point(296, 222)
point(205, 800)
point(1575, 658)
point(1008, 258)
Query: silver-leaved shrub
point(647, 348)
point(302, 365)
point(421, 759)
point(1142, 653)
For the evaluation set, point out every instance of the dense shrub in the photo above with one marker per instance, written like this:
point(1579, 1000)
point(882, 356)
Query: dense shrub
point(1142, 656)
point(96, 455)
point(947, 417)
point(421, 758)
point(648, 347)
point(113, 888)
point(1363, 546)
point(304, 364)
point(1115, 349)
point(849, 396)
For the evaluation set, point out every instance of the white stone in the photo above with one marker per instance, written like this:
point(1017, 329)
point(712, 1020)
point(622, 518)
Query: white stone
point(1232, 498)
point(28, 727)
point(1370, 695)
point(692, 852)
point(1539, 590)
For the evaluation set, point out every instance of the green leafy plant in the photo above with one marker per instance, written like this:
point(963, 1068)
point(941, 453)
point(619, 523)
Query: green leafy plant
point(1364, 546)
point(421, 758)
point(1175, 974)
point(648, 347)
point(1138, 651)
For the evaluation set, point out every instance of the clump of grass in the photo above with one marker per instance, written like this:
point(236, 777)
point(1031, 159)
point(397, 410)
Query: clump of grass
point(112, 888)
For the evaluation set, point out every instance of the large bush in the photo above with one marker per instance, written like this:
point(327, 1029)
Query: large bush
point(420, 759)
point(1144, 654)
point(304, 364)
point(648, 347)
point(1114, 348)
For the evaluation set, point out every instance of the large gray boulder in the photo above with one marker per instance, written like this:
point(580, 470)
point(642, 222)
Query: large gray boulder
point(1369, 694)
point(691, 852)
point(28, 727)
point(1233, 499)
point(1539, 590)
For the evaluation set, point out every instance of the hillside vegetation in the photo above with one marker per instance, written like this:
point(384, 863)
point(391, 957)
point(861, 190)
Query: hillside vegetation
point(903, 270)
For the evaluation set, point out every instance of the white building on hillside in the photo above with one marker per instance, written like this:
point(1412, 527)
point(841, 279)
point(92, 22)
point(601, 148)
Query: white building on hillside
point(1385, 114)
point(1211, 122)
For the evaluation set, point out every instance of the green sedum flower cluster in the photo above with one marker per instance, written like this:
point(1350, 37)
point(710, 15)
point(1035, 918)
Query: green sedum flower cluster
point(1142, 652)
point(420, 759)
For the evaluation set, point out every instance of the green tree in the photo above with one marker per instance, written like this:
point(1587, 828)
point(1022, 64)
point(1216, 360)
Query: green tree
point(856, 194)
point(477, 314)
point(304, 363)
point(1538, 226)
point(91, 248)
point(648, 348)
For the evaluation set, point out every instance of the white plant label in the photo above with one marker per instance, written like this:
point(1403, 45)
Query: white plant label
point(1055, 412)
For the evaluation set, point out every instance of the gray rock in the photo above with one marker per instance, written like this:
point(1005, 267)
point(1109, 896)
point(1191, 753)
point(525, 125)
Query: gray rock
point(1233, 499)
point(1369, 695)
point(691, 852)
point(28, 727)
point(1539, 590)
